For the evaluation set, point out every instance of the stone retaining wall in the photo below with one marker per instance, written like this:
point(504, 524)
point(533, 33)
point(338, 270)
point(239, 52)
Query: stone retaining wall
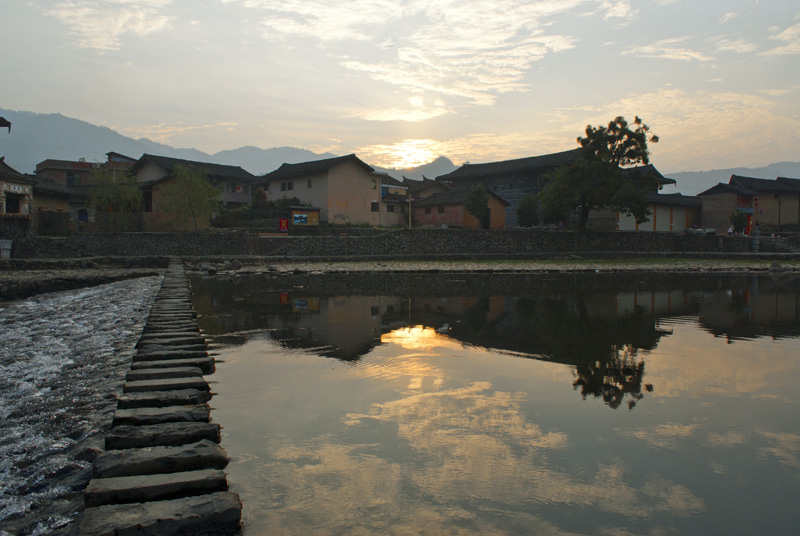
point(409, 243)
point(161, 473)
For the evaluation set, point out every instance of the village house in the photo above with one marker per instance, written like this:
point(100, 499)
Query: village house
point(448, 209)
point(346, 190)
point(767, 203)
point(151, 170)
point(16, 192)
point(509, 179)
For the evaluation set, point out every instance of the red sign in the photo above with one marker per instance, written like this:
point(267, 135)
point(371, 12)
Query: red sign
point(284, 225)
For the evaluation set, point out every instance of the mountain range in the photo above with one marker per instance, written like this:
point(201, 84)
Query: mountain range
point(35, 137)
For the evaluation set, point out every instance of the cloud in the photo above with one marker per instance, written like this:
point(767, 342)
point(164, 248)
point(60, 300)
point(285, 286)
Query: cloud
point(728, 16)
point(618, 9)
point(163, 132)
point(790, 36)
point(100, 24)
point(739, 45)
point(465, 50)
point(667, 49)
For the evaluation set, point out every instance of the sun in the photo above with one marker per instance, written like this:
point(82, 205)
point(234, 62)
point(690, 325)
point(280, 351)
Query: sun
point(411, 153)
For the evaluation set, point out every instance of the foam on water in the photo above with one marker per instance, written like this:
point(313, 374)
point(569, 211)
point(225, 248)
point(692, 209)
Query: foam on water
point(63, 357)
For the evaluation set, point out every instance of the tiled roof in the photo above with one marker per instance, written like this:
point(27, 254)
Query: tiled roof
point(454, 197)
point(763, 185)
point(722, 188)
point(50, 186)
point(288, 171)
point(472, 171)
point(215, 172)
point(790, 182)
point(10, 174)
point(649, 168)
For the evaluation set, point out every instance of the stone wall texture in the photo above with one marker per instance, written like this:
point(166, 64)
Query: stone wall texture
point(413, 243)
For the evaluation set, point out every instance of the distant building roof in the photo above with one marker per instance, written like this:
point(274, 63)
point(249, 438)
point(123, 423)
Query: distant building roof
point(750, 187)
point(638, 171)
point(473, 171)
point(453, 197)
point(66, 165)
point(52, 187)
point(315, 167)
point(215, 172)
point(763, 185)
point(7, 173)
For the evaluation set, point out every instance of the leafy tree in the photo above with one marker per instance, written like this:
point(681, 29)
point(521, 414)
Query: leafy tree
point(116, 197)
point(477, 202)
point(528, 210)
point(595, 180)
point(738, 220)
point(189, 197)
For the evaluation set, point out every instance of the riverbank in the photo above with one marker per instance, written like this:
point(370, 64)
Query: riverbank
point(21, 279)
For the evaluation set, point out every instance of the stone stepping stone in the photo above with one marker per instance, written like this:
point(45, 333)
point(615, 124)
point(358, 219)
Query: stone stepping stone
point(152, 460)
point(146, 416)
point(166, 384)
point(145, 348)
point(215, 513)
point(162, 355)
point(136, 489)
point(161, 399)
point(185, 340)
point(161, 435)
point(205, 364)
point(162, 373)
point(175, 334)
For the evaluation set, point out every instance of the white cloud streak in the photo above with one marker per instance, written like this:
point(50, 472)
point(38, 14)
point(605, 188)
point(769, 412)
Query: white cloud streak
point(668, 49)
point(100, 24)
point(790, 36)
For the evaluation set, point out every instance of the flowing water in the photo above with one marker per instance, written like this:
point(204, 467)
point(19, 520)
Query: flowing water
point(509, 404)
point(63, 357)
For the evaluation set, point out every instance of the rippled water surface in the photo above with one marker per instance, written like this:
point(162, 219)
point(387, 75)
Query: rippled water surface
point(62, 359)
point(560, 405)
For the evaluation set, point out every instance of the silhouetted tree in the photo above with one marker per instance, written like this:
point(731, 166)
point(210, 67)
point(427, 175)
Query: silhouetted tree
point(595, 181)
point(477, 202)
point(116, 198)
point(528, 210)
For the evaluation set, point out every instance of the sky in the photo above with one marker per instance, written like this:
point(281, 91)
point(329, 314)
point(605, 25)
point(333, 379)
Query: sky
point(401, 82)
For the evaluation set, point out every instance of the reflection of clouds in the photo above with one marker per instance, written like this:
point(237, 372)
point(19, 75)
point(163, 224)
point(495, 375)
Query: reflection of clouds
point(785, 448)
point(668, 435)
point(728, 439)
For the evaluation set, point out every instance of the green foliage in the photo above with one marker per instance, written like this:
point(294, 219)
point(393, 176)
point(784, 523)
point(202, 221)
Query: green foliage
point(477, 202)
point(595, 181)
point(738, 220)
point(116, 198)
point(528, 210)
point(618, 144)
point(189, 197)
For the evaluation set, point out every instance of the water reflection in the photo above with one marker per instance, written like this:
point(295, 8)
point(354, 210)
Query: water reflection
point(448, 412)
point(575, 320)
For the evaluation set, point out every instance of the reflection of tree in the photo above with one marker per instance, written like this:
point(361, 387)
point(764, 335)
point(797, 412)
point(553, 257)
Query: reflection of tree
point(614, 379)
point(603, 349)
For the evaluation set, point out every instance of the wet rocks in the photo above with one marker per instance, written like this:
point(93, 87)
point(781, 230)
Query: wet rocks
point(162, 472)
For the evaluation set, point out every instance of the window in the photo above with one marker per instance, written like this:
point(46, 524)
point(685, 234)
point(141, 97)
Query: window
point(73, 178)
point(440, 209)
point(427, 210)
point(375, 206)
point(374, 184)
point(389, 208)
point(287, 186)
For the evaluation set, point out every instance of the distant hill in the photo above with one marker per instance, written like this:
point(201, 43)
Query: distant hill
point(695, 182)
point(36, 137)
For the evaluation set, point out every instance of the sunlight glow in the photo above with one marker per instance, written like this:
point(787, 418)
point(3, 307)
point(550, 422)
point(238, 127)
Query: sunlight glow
point(419, 338)
point(405, 154)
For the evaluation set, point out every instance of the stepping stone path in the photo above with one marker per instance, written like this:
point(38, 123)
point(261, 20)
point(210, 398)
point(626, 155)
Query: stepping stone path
point(161, 473)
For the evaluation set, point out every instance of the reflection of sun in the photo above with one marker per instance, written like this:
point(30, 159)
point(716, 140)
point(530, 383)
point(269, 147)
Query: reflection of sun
point(418, 338)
